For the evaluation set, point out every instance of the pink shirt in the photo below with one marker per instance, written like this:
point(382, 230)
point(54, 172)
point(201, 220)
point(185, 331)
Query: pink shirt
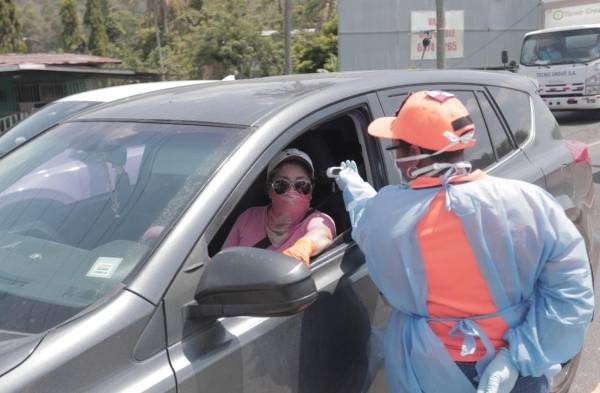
point(249, 228)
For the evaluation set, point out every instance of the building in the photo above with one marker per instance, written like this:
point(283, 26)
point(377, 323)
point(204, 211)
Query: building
point(388, 34)
point(29, 81)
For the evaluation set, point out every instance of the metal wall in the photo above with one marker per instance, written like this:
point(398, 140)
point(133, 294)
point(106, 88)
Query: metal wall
point(376, 34)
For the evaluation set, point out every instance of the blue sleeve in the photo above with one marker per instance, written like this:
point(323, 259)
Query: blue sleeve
point(357, 193)
point(563, 300)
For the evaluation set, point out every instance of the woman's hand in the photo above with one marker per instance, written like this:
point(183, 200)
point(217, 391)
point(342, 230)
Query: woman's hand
point(318, 237)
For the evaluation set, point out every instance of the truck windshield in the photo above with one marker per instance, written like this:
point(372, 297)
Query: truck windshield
point(561, 47)
point(82, 204)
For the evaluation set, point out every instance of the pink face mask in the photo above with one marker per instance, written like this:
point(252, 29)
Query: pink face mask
point(285, 214)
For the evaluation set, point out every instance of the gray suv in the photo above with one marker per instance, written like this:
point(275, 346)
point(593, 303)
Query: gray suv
point(92, 299)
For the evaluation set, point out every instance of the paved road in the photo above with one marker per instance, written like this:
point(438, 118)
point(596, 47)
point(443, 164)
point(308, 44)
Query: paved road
point(586, 128)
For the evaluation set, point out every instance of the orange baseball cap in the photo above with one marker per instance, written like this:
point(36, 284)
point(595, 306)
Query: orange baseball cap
point(432, 120)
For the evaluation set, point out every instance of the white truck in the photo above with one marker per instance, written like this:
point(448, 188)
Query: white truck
point(565, 61)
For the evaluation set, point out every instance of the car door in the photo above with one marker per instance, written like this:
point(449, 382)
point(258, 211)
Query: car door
point(567, 178)
point(495, 150)
point(322, 349)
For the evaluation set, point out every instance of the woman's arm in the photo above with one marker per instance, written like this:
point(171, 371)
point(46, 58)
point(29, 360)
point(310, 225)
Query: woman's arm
point(318, 236)
point(319, 233)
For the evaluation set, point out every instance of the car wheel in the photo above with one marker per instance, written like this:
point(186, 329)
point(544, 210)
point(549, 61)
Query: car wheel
point(563, 380)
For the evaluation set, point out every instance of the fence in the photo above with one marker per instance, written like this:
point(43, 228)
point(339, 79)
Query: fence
point(7, 122)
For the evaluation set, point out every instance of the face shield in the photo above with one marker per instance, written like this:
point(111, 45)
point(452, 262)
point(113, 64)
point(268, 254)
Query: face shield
point(450, 169)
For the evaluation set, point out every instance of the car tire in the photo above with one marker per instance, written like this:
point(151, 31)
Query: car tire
point(561, 383)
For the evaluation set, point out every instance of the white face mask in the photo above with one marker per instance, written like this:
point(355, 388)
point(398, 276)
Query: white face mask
point(404, 183)
point(454, 140)
point(456, 169)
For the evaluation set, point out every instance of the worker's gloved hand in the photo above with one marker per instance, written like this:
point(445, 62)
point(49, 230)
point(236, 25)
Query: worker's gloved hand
point(302, 249)
point(348, 174)
point(356, 191)
point(500, 376)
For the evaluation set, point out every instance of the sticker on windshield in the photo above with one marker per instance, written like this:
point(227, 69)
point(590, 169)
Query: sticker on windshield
point(104, 267)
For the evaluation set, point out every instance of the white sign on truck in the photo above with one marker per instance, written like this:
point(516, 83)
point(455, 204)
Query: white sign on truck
point(572, 15)
point(565, 61)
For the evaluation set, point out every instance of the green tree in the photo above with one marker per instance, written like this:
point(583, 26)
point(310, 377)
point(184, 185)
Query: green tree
point(10, 35)
point(71, 38)
point(94, 19)
point(196, 4)
point(40, 25)
point(314, 51)
point(230, 42)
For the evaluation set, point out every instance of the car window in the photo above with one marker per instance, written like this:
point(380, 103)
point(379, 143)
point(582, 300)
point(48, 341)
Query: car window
point(393, 102)
point(328, 144)
point(516, 107)
point(502, 143)
point(41, 120)
point(77, 204)
point(481, 155)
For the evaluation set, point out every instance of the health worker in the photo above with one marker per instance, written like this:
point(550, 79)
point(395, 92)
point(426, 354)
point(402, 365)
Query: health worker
point(488, 280)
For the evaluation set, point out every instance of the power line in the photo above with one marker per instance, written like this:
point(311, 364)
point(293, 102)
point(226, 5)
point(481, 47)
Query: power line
point(498, 36)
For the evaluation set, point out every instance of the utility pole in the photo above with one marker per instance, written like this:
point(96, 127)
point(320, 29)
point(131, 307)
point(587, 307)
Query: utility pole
point(158, 43)
point(440, 39)
point(287, 32)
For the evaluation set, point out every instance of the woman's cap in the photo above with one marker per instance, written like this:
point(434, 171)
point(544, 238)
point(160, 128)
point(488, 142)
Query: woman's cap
point(291, 154)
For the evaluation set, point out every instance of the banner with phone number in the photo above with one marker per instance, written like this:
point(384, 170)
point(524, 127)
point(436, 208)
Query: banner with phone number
point(422, 22)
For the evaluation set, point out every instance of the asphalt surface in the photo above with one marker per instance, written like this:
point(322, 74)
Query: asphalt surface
point(585, 127)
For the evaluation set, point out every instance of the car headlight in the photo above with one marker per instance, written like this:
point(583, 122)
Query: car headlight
point(592, 85)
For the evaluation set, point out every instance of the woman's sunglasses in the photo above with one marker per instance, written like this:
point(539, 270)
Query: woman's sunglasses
point(281, 186)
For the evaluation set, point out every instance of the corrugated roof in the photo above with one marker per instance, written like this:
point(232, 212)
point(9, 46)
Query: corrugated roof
point(55, 59)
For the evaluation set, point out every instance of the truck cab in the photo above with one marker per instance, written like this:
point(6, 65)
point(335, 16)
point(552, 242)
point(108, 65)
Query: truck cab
point(565, 62)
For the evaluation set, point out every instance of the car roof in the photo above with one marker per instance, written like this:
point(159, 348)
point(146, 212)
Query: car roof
point(563, 28)
point(108, 94)
point(251, 102)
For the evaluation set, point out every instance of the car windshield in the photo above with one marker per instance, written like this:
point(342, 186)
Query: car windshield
point(561, 47)
point(40, 121)
point(82, 204)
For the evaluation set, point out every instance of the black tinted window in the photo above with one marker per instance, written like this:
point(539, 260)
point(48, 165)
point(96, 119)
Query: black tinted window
point(482, 154)
point(502, 143)
point(392, 103)
point(516, 109)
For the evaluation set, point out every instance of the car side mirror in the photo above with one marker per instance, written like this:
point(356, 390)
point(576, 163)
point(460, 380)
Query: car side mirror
point(244, 281)
point(504, 59)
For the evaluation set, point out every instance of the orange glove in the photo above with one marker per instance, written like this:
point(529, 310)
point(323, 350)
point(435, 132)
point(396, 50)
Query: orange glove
point(302, 249)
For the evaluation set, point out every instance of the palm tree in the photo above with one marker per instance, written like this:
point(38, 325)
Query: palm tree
point(327, 12)
point(158, 10)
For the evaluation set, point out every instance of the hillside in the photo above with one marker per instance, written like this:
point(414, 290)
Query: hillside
point(184, 39)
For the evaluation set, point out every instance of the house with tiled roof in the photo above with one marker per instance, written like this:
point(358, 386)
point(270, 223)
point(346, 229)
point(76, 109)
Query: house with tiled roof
point(29, 81)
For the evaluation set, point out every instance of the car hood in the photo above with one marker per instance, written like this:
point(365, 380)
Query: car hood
point(15, 349)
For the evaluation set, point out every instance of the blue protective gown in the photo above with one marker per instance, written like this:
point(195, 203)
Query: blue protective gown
point(532, 257)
